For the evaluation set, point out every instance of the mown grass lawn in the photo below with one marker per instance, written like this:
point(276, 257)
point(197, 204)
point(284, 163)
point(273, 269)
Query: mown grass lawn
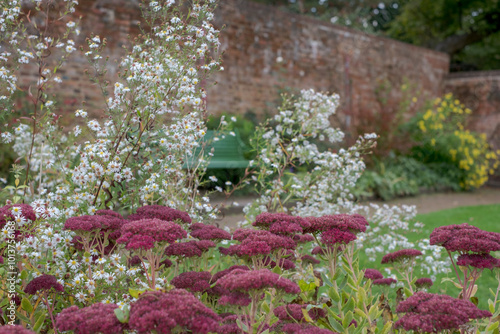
point(486, 217)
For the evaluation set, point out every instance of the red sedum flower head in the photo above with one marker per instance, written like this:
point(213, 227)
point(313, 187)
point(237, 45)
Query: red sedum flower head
point(255, 243)
point(224, 272)
point(228, 324)
point(285, 228)
point(185, 249)
point(243, 233)
point(209, 232)
point(432, 313)
point(352, 223)
point(95, 223)
point(423, 282)
point(243, 281)
point(193, 281)
point(402, 255)
point(43, 283)
point(337, 237)
point(281, 223)
point(480, 261)
point(465, 238)
point(384, 281)
point(373, 274)
point(235, 298)
point(162, 213)
point(140, 242)
point(286, 264)
point(205, 245)
point(97, 318)
point(303, 238)
point(146, 229)
point(179, 309)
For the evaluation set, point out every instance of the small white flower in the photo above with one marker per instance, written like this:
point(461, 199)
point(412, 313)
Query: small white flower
point(80, 296)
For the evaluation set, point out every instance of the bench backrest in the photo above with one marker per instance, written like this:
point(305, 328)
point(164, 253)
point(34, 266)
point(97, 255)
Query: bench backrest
point(228, 151)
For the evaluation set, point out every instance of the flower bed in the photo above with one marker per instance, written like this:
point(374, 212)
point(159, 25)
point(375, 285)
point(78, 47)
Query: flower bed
point(117, 238)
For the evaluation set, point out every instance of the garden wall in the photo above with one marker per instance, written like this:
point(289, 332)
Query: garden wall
point(267, 52)
point(480, 91)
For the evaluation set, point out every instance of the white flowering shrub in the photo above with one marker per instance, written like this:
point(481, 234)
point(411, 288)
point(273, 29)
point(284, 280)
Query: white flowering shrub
point(327, 188)
point(155, 114)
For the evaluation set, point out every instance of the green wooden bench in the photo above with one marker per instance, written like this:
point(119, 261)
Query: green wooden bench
point(228, 152)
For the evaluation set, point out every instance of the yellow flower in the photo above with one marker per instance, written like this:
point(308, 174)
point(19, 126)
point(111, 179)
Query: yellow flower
point(427, 114)
point(421, 124)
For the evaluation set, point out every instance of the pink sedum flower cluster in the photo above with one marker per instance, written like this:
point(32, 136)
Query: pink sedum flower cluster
point(423, 282)
point(401, 256)
point(95, 223)
point(254, 243)
point(373, 274)
point(281, 223)
point(179, 309)
point(256, 280)
point(43, 283)
point(384, 281)
point(465, 238)
point(145, 233)
point(432, 313)
point(353, 223)
point(97, 318)
point(189, 248)
point(193, 281)
point(160, 212)
point(337, 237)
point(208, 232)
point(479, 261)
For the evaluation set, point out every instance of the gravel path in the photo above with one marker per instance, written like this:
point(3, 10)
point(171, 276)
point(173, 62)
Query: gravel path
point(425, 203)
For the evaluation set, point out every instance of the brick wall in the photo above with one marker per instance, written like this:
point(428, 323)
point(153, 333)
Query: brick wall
point(480, 91)
point(268, 51)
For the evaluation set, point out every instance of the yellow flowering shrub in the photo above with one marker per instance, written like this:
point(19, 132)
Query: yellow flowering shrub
point(442, 137)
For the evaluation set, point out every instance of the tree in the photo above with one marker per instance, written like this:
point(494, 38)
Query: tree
point(457, 27)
